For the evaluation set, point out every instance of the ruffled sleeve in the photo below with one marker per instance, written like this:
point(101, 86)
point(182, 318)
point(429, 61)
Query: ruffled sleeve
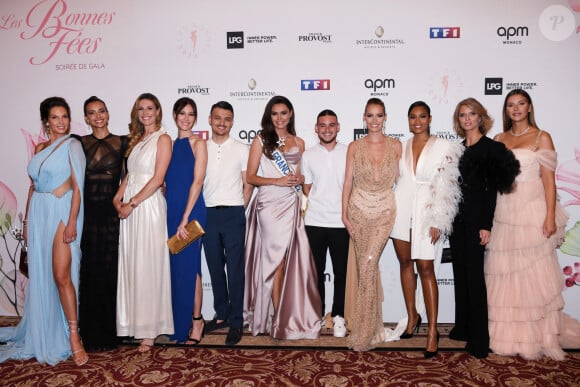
point(445, 191)
point(547, 158)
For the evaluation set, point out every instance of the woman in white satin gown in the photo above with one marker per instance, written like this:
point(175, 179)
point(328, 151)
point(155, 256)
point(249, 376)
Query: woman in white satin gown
point(144, 284)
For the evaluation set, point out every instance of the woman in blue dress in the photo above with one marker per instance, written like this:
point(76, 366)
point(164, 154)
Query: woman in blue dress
point(184, 182)
point(48, 330)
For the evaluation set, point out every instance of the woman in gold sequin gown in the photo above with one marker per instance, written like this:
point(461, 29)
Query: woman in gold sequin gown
point(368, 212)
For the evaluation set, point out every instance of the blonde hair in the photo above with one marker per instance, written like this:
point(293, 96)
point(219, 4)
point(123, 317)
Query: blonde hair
point(485, 123)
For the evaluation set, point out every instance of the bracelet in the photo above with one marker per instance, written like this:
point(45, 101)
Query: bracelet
point(132, 203)
point(25, 221)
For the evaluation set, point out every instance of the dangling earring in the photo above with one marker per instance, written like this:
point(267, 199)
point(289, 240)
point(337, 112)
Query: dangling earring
point(47, 129)
point(365, 125)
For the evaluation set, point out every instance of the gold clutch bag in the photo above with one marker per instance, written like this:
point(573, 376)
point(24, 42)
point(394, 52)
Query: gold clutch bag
point(194, 230)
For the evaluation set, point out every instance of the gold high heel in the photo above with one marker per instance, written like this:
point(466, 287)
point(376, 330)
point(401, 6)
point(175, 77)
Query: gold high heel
point(80, 356)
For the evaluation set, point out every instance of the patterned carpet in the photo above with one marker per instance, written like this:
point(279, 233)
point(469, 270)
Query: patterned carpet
point(261, 361)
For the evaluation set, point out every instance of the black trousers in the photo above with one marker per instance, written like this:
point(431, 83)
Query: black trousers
point(471, 319)
point(335, 240)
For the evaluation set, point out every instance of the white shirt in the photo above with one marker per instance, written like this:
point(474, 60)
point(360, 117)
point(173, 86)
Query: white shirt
point(223, 184)
point(325, 171)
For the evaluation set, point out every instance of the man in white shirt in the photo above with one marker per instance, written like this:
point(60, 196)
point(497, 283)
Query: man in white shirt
point(323, 166)
point(226, 195)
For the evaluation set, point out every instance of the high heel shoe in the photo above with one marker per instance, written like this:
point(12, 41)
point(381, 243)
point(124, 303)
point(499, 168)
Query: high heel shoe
point(190, 340)
point(79, 355)
point(430, 354)
point(406, 335)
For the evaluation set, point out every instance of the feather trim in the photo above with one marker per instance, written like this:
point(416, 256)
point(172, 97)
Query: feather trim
point(445, 191)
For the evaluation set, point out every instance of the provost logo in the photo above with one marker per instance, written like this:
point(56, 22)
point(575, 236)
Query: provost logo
point(315, 37)
point(512, 35)
point(196, 89)
point(444, 32)
point(380, 85)
point(493, 86)
point(315, 84)
point(235, 39)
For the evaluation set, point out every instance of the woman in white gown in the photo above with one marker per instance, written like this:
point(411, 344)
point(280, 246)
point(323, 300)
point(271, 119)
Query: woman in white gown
point(144, 284)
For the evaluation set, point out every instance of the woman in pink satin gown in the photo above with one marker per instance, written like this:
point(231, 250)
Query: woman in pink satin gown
point(279, 265)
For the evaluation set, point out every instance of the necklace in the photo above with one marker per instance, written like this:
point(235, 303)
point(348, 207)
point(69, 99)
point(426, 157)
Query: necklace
point(519, 134)
point(281, 141)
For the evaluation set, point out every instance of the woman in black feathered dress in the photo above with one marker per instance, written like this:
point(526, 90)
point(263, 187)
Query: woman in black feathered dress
point(486, 167)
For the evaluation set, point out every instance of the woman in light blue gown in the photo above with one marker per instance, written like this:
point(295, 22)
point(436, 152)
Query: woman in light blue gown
point(48, 330)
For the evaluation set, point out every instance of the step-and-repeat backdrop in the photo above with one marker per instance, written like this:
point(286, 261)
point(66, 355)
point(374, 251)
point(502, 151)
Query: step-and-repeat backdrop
point(321, 54)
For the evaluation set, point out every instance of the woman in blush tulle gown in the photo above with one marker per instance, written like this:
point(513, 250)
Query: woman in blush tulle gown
point(279, 265)
point(523, 276)
point(368, 213)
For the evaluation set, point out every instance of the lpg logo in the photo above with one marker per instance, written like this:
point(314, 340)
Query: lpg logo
point(386, 83)
point(444, 33)
point(315, 84)
point(493, 86)
point(235, 39)
point(509, 33)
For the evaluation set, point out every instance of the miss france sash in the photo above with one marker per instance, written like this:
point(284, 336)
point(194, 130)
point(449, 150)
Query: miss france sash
point(282, 166)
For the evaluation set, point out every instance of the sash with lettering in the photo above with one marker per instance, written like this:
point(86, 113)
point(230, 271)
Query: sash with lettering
point(285, 169)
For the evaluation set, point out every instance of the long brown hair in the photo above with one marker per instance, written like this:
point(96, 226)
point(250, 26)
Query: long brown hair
point(136, 128)
point(507, 121)
point(268, 133)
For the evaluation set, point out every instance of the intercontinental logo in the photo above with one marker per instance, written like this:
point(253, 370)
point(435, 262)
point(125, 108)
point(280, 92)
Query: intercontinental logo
point(512, 35)
point(378, 41)
point(195, 89)
point(235, 39)
point(251, 94)
point(315, 37)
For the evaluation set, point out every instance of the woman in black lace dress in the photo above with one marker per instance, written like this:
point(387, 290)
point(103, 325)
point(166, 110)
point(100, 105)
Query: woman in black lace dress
point(98, 276)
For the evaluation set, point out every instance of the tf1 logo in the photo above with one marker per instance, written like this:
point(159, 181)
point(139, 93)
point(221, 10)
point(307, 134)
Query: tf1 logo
point(444, 33)
point(315, 84)
point(493, 86)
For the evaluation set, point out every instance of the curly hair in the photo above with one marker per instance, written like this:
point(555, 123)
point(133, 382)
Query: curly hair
point(136, 128)
point(485, 123)
point(268, 133)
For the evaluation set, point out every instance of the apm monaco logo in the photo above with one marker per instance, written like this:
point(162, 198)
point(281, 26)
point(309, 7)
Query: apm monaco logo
point(444, 32)
point(235, 39)
point(196, 89)
point(252, 94)
point(315, 37)
point(493, 86)
point(379, 85)
point(315, 84)
point(378, 41)
point(248, 135)
point(512, 35)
